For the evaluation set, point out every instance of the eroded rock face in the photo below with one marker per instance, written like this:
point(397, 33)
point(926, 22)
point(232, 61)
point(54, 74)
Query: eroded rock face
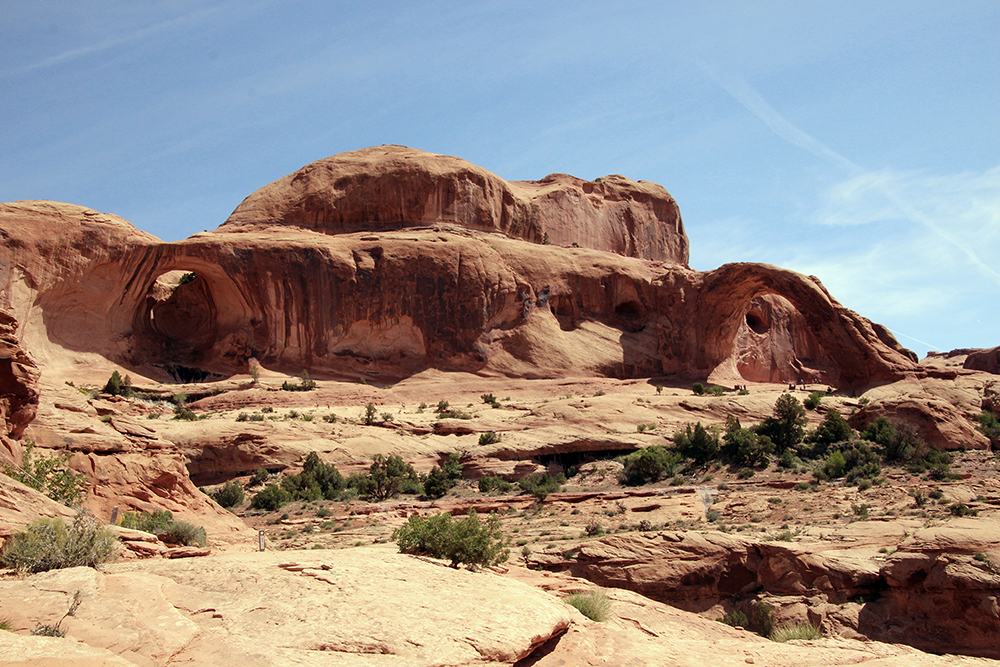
point(398, 302)
point(984, 360)
point(393, 187)
point(933, 592)
point(18, 377)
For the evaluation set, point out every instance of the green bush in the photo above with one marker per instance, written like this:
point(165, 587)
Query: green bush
point(468, 541)
point(716, 390)
point(305, 383)
point(593, 604)
point(454, 414)
point(488, 438)
point(187, 534)
point(742, 446)
point(317, 481)
point(698, 388)
point(49, 544)
point(649, 465)
point(149, 522)
point(786, 426)
point(117, 386)
point(813, 400)
point(270, 499)
point(230, 495)
point(698, 443)
point(833, 429)
point(50, 475)
point(540, 485)
point(989, 425)
point(491, 483)
point(786, 633)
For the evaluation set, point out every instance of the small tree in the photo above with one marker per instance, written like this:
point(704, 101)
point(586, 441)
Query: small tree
point(50, 475)
point(697, 443)
point(370, 414)
point(230, 495)
point(786, 427)
point(116, 386)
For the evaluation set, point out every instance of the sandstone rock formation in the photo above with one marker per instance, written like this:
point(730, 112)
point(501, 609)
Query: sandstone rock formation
point(369, 607)
point(984, 360)
point(385, 262)
point(937, 589)
point(393, 187)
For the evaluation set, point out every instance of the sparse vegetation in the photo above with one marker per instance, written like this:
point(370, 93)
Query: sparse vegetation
point(50, 475)
point(593, 604)
point(49, 544)
point(488, 438)
point(118, 386)
point(494, 483)
point(306, 383)
point(806, 631)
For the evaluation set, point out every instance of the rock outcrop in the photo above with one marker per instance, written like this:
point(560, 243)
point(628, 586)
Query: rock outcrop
point(935, 589)
point(393, 187)
point(984, 360)
point(385, 262)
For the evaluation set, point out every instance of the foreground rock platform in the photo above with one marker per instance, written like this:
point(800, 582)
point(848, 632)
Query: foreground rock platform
point(372, 607)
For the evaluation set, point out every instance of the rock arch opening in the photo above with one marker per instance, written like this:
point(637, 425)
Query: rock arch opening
point(757, 322)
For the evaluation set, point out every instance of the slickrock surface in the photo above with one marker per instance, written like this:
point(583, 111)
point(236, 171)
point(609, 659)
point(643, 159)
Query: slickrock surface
point(373, 607)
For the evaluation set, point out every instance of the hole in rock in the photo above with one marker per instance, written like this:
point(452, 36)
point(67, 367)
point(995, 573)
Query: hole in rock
point(183, 309)
point(756, 322)
point(629, 309)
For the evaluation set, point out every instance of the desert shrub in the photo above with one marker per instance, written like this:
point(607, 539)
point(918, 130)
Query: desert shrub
point(649, 465)
point(454, 414)
point(488, 438)
point(369, 417)
point(230, 495)
point(989, 425)
point(540, 485)
point(468, 541)
point(317, 481)
point(118, 386)
point(761, 618)
point(385, 478)
point(270, 499)
point(259, 477)
point(786, 633)
point(150, 522)
point(593, 604)
point(305, 383)
point(490, 400)
point(716, 390)
point(833, 429)
point(184, 414)
point(50, 475)
point(786, 426)
point(813, 400)
point(491, 483)
point(834, 467)
point(744, 447)
point(184, 533)
point(49, 544)
point(442, 406)
point(736, 619)
point(698, 388)
point(961, 509)
point(698, 443)
point(242, 417)
point(441, 479)
point(745, 473)
point(594, 528)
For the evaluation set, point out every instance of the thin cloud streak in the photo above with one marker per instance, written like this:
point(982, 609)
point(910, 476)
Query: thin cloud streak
point(750, 99)
point(110, 43)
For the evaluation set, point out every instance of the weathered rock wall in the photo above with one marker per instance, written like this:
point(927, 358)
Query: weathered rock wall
point(394, 187)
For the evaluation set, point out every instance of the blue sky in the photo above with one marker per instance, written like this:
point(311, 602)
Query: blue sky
point(855, 141)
